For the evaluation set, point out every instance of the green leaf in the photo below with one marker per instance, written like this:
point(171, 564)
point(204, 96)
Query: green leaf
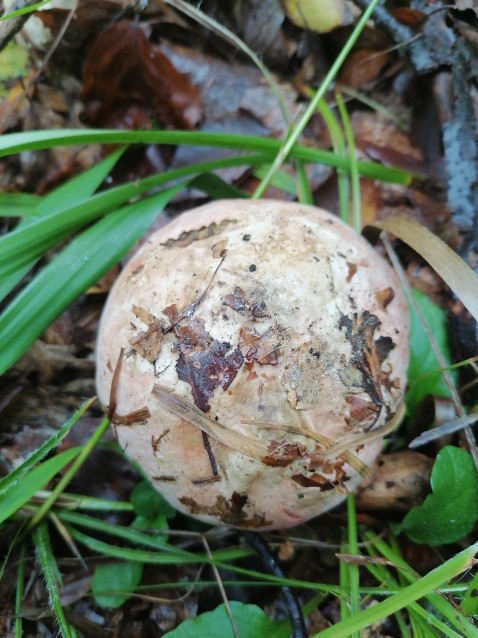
point(52, 576)
point(250, 620)
point(113, 584)
point(159, 522)
point(33, 140)
point(424, 371)
point(450, 512)
point(75, 192)
point(13, 63)
point(469, 604)
point(19, 493)
point(18, 204)
point(216, 187)
point(149, 503)
point(76, 268)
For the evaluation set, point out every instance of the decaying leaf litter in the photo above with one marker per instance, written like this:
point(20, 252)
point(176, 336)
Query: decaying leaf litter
point(409, 88)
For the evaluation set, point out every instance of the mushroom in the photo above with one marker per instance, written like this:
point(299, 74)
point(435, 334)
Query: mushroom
point(252, 354)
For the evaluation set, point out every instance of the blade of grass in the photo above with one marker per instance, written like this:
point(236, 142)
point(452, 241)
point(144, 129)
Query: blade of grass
point(20, 12)
point(18, 473)
point(407, 574)
point(89, 503)
point(18, 204)
point(353, 577)
point(416, 613)
point(338, 145)
point(76, 268)
point(51, 574)
point(36, 140)
point(289, 143)
point(354, 174)
point(19, 493)
point(422, 587)
point(153, 557)
point(19, 592)
point(75, 191)
point(23, 244)
point(345, 584)
point(70, 473)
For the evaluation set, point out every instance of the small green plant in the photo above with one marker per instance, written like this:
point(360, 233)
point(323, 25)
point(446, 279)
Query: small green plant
point(424, 372)
point(451, 511)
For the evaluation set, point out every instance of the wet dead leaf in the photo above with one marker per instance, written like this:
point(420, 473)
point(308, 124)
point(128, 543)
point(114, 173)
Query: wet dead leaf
point(147, 343)
point(129, 83)
point(397, 482)
point(204, 362)
point(362, 67)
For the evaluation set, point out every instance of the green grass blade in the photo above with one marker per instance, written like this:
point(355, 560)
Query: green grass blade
point(291, 140)
point(153, 557)
point(30, 242)
point(70, 472)
point(75, 191)
point(78, 189)
point(51, 574)
point(24, 10)
point(18, 204)
point(19, 592)
point(338, 144)
point(18, 473)
point(35, 140)
point(354, 579)
point(76, 268)
point(410, 594)
point(20, 493)
point(354, 172)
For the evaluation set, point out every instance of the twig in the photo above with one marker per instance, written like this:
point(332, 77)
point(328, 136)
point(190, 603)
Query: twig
point(294, 610)
point(9, 28)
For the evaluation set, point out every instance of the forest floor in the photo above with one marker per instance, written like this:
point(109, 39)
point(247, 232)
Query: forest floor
point(409, 86)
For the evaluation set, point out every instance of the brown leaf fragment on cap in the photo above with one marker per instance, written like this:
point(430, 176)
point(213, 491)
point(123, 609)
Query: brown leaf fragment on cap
point(264, 348)
point(316, 480)
point(253, 304)
point(236, 300)
point(172, 313)
point(203, 362)
point(219, 249)
point(148, 343)
point(385, 297)
point(281, 453)
point(352, 270)
point(361, 410)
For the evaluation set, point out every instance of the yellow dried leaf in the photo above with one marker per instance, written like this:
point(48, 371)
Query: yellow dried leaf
point(450, 266)
point(318, 15)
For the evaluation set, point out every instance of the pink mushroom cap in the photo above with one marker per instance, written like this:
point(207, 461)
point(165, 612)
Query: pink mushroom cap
point(264, 349)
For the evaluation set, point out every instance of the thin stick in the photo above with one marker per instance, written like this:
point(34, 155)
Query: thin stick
point(257, 542)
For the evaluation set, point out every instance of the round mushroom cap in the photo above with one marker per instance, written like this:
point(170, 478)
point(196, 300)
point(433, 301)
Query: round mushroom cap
point(251, 354)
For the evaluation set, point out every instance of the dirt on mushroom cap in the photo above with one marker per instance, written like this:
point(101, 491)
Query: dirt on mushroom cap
point(271, 331)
